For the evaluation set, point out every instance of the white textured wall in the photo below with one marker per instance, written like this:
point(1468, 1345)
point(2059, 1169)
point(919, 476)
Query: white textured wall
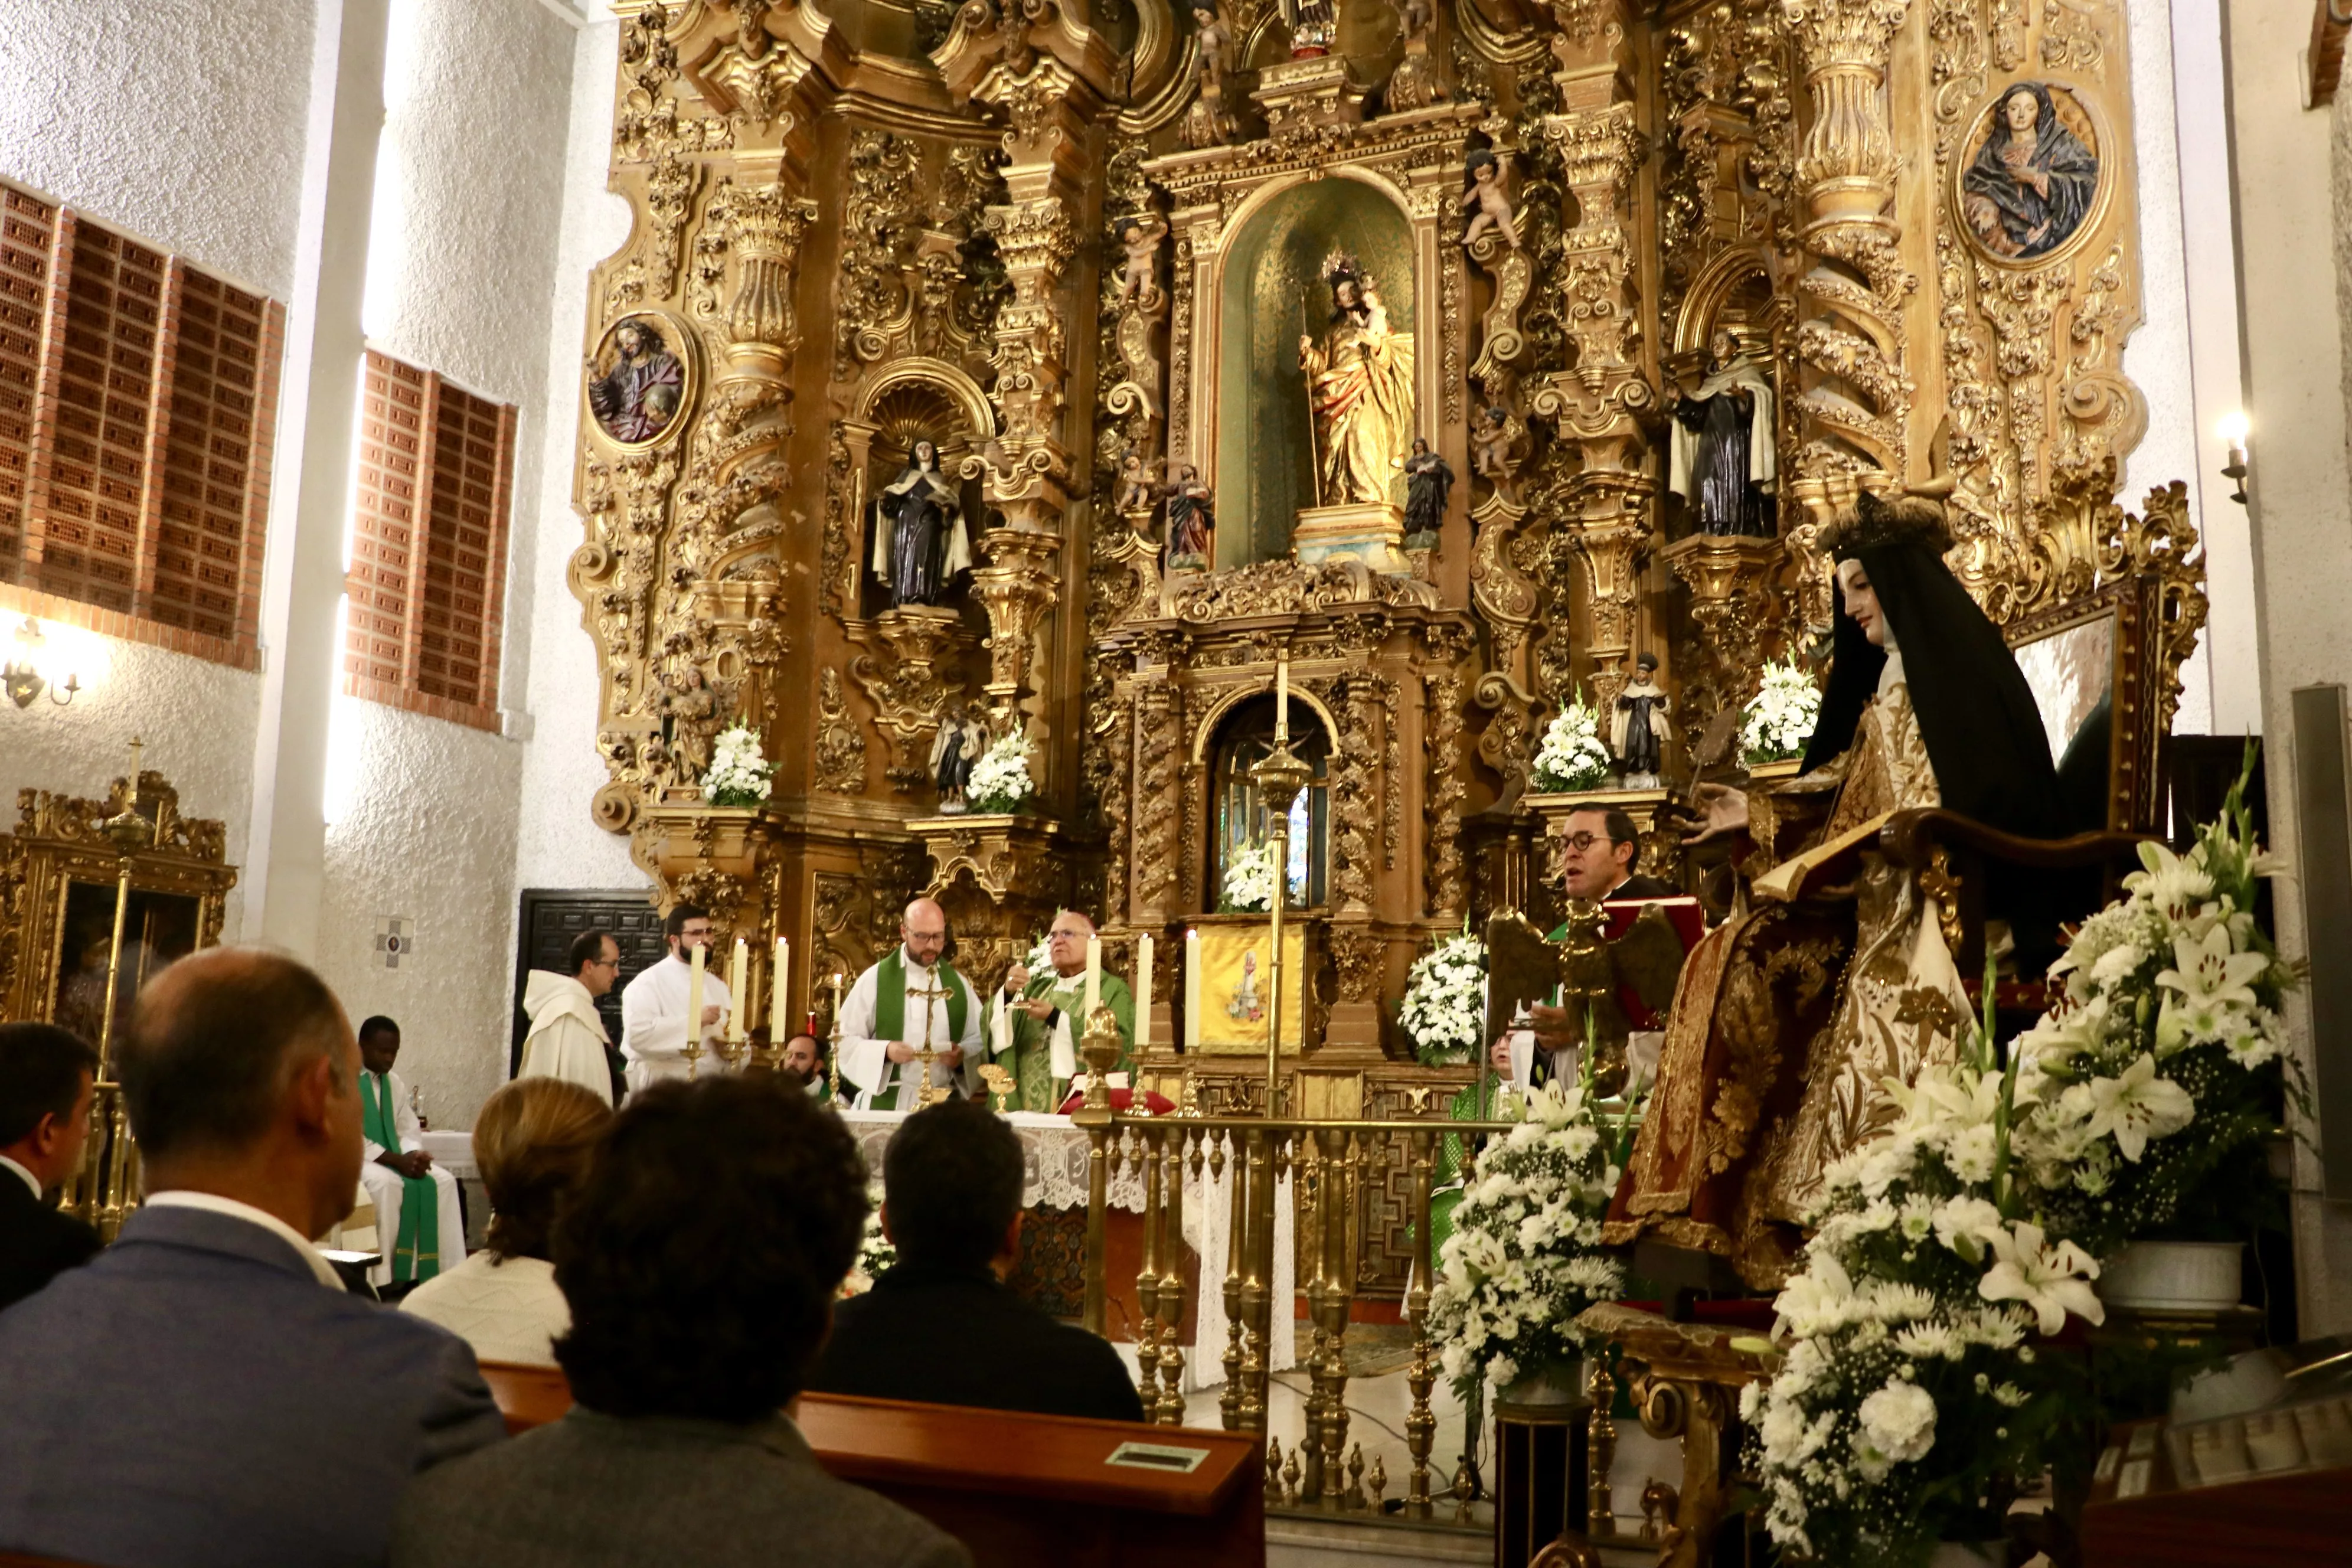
point(554, 660)
point(182, 120)
point(469, 200)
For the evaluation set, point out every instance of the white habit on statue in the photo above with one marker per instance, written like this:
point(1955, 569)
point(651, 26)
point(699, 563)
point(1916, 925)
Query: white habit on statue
point(865, 1062)
point(384, 1188)
point(652, 1022)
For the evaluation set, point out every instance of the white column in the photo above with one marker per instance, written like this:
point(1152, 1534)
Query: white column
point(303, 576)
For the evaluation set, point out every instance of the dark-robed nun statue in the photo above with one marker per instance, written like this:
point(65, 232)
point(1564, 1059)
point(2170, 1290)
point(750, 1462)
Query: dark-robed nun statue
point(925, 545)
point(1790, 1016)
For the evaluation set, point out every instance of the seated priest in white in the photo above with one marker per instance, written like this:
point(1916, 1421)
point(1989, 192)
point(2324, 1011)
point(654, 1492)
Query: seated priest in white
point(419, 1228)
point(654, 1006)
point(534, 1141)
point(908, 997)
point(567, 1038)
point(1036, 1020)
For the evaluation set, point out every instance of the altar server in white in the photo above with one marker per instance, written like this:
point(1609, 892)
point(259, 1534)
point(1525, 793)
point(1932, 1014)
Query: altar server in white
point(419, 1229)
point(567, 1038)
point(653, 1006)
point(882, 1018)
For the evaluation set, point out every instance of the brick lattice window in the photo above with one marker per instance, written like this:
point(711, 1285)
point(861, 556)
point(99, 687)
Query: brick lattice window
point(428, 544)
point(138, 397)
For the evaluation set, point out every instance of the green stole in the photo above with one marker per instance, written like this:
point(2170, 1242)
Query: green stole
point(416, 1252)
point(890, 1010)
point(1033, 1041)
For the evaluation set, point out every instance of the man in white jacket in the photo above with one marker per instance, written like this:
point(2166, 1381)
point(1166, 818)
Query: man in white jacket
point(567, 1038)
point(654, 1005)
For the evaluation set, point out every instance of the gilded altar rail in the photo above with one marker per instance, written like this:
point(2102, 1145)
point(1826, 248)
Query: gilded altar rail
point(1333, 1164)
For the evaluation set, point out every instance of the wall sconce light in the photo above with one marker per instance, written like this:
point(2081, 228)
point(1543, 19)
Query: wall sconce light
point(2233, 431)
point(22, 677)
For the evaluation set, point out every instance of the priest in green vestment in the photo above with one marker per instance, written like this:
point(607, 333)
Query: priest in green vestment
point(912, 995)
point(420, 1229)
point(1037, 1020)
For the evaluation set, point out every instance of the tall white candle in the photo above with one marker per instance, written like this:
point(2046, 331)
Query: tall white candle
point(1191, 990)
point(779, 980)
point(1143, 992)
point(1093, 975)
point(738, 968)
point(1282, 694)
point(693, 999)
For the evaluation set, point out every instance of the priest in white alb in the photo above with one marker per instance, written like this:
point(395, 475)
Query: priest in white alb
point(886, 1017)
point(567, 1038)
point(654, 1006)
point(1037, 1017)
point(420, 1230)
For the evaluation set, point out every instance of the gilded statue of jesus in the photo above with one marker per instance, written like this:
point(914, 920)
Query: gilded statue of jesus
point(1360, 386)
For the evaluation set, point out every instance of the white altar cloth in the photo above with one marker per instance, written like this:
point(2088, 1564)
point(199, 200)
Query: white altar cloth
point(1054, 1155)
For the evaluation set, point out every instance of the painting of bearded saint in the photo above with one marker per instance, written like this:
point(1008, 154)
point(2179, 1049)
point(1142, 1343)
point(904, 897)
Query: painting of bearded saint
point(2035, 177)
point(635, 384)
point(1359, 381)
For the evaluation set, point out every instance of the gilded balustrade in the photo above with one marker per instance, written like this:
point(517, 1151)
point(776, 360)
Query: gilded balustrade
point(1333, 1166)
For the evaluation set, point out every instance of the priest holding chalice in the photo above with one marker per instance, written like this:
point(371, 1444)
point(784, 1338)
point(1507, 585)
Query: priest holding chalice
point(1037, 1021)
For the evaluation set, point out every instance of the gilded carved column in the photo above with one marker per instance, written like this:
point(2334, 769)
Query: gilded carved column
point(1855, 389)
point(1048, 74)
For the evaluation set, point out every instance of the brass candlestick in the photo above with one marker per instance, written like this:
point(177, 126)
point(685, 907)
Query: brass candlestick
point(104, 1195)
point(1279, 776)
point(833, 1057)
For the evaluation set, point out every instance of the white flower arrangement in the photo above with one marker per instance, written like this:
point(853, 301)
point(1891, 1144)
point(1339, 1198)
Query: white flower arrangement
point(1524, 1256)
point(875, 1253)
point(1573, 756)
point(2148, 1087)
point(1778, 719)
point(1000, 780)
point(1909, 1403)
point(740, 773)
point(1249, 879)
point(1445, 1007)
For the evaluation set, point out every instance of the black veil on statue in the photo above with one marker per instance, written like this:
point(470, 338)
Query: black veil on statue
point(1977, 714)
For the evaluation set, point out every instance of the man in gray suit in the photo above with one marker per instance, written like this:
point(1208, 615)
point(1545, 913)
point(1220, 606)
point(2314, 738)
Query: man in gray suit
point(700, 1262)
point(205, 1393)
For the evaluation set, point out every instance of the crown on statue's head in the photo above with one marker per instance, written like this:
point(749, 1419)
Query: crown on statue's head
point(1340, 267)
point(1914, 516)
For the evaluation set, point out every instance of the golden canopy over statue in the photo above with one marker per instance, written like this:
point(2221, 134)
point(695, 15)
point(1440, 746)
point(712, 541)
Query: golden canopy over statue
point(1360, 386)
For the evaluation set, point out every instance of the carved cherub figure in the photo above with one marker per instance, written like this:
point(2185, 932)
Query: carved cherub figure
point(1413, 16)
point(1141, 237)
point(1490, 443)
point(1209, 23)
point(1485, 199)
point(1138, 483)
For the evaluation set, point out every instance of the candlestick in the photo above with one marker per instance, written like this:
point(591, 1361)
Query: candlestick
point(1191, 990)
point(781, 976)
point(1143, 992)
point(1094, 974)
point(736, 971)
point(694, 1014)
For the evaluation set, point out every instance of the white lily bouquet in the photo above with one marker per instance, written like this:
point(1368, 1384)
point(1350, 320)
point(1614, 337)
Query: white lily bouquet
point(875, 1253)
point(2155, 1079)
point(1445, 1007)
point(740, 773)
point(1778, 719)
point(1000, 780)
point(1249, 879)
point(1524, 1256)
point(1572, 756)
point(1911, 1405)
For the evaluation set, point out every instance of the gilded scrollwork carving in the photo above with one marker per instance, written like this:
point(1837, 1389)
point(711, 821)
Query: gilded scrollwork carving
point(840, 750)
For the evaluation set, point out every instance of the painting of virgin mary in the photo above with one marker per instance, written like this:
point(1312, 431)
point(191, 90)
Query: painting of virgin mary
point(2033, 181)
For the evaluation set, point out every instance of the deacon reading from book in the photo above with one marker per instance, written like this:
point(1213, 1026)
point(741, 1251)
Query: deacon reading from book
point(1037, 1021)
point(654, 1006)
point(1791, 1017)
point(913, 994)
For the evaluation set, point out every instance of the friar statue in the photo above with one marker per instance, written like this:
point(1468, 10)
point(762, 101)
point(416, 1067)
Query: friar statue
point(925, 545)
point(1428, 481)
point(1637, 728)
point(950, 759)
point(1036, 1022)
point(1721, 459)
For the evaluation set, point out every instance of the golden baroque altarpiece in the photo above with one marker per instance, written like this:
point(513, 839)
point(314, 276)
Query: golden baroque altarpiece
point(1147, 277)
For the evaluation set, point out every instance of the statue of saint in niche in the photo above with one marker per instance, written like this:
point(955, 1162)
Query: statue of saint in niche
point(636, 385)
point(925, 545)
point(2033, 179)
point(1359, 389)
point(1721, 459)
point(1428, 479)
point(1192, 522)
point(1638, 729)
